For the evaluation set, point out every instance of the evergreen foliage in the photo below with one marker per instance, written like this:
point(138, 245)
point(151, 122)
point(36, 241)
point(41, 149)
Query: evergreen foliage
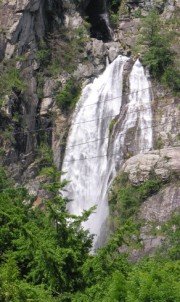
point(44, 249)
point(125, 199)
point(44, 253)
point(154, 281)
point(10, 79)
point(159, 55)
point(66, 99)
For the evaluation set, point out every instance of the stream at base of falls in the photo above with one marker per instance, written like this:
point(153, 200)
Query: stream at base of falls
point(93, 156)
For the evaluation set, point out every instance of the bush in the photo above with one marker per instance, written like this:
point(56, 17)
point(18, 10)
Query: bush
point(159, 54)
point(171, 77)
point(114, 11)
point(41, 252)
point(114, 5)
point(10, 80)
point(125, 199)
point(66, 99)
point(43, 55)
point(67, 45)
point(150, 281)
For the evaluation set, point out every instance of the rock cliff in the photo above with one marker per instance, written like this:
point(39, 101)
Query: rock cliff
point(158, 209)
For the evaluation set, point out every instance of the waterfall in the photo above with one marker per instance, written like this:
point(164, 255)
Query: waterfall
point(87, 167)
point(137, 119)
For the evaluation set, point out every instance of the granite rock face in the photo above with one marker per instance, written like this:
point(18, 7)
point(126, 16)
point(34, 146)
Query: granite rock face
point(156, 210)
point(162, 205)
point(28, 21)
point(162, 163)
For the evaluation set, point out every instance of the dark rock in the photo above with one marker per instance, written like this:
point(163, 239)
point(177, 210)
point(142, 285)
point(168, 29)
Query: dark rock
point(96, 10)
point(2, 46)
point(38, 18)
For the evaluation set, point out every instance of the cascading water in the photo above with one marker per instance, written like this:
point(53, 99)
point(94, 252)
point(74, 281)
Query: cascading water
point(87, 144)
point(86, 165)
point(137, 118)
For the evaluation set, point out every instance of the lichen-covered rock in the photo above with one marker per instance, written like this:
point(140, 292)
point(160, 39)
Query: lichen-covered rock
point(166, 116)
point(98, 48)
point(157, 209)
point(160, 163)
point(162, 205)
point(47, 101)
point(84, 71)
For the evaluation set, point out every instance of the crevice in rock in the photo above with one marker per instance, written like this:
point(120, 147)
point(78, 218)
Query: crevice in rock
point(97, 16)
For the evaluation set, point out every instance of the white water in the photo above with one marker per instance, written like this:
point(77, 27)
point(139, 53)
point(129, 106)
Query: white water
point(105, 17)
point(138, 118)
point(90, 172)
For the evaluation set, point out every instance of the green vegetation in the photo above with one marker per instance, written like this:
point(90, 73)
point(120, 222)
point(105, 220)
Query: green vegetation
point(44, 254)
point(9, 80)
point(61, 53)
point(125, 199)
point(43, 55)
point(44, 153)
point(67, 45)
point(110, 277)
point(137, 13)
point(150, 281)
point(159, 55)
point(111, 125)
point(171, 230)
point(159, 144)
point(40, 84)
point(41, 252)
point(114, 6)
point(66, 99)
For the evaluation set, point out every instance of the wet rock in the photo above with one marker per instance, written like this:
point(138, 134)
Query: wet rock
point(32, 20)
point(97, 16)
point(84, 71)
point(113, 50)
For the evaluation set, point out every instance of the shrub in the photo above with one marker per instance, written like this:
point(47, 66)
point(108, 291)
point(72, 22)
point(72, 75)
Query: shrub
point(10, 80)
point(125, 198)
point(114, 5)
point(171, 77)
point(114, 11)
point(67, 45)
point(43, 56)
point(149, 281)
point(111, 125)
point(159, 55)
point(66, 99)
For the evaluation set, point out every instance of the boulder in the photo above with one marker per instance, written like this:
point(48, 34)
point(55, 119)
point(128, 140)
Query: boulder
point(162, 163)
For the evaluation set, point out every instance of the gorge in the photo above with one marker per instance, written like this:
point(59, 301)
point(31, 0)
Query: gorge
point(89, 150)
